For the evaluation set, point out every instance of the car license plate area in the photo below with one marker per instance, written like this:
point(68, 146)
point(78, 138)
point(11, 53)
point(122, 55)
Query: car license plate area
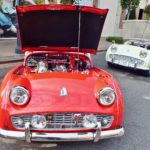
point(126, 61)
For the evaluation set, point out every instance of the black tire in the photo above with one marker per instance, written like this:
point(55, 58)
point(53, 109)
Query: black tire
point(109, 64)
point(145, 73)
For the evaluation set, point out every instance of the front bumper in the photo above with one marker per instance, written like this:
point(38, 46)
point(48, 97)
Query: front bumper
point(134, 67)
point(56, 137)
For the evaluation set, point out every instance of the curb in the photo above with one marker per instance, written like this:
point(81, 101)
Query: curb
point(101, 51)
point(13, 59)
point(9, 38)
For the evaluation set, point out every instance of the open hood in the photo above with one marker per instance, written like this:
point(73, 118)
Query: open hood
point(60, 27)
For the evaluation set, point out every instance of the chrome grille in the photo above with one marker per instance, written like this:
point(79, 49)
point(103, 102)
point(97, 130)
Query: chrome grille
point(125, 60)
point(60, 121)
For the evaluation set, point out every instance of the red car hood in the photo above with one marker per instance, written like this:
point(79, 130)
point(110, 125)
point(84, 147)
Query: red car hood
point(46, 88)
point(60, 27)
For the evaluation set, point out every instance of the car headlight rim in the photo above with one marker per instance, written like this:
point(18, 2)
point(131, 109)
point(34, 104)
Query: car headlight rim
point(143, 54)
point(113, 48)
point(35, 122)
point(89, 121)
point(104, 91)
point(26, 95)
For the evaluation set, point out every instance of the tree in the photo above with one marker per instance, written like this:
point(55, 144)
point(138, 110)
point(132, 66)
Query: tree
point(66, 1)
point(147, 12)
point(0, 4)
point(72, 1)
point(46, 1)
point(132, 14)
point(147, 17)
point(127, 5)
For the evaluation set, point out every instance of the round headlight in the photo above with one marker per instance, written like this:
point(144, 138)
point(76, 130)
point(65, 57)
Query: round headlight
point(143, 54)
point(107, 96)
point(113, 48)
point(19, 95)
point(38, 121)
point(112, 56)
point(19, 121)
point(89, 121)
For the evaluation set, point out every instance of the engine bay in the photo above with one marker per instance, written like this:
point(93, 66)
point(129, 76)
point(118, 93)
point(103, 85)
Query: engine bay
point(40, 63)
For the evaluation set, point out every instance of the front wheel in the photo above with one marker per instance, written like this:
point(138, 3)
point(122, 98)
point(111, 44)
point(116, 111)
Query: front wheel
point(146, 73)
point(109, 64)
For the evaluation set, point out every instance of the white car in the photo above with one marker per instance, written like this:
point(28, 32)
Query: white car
point(133, 54)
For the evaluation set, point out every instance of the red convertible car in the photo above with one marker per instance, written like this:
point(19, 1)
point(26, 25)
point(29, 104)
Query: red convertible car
point(57, 94)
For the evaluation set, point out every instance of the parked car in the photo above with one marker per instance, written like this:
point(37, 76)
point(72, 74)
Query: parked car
point(133, 54)
point(57, 94)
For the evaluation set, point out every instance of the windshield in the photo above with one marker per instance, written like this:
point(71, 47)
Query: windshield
point(139, 43)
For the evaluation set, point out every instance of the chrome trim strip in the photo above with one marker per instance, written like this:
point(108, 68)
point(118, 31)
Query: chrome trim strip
point(60, 119)
point(139, 68)
point(56, 137)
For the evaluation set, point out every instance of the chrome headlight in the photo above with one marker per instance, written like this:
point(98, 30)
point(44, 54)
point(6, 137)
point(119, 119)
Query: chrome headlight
point(143, 54)
point(89, 121)
point(112, 56)
point(19, 95)
point(107, 96)
point(113, 48)
point(38, 121)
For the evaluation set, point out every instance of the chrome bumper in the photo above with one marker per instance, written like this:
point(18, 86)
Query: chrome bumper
point(57, 137)
point(128, 66)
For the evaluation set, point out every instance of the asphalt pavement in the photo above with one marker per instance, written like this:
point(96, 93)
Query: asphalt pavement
point(136, 90)
point(7, 51)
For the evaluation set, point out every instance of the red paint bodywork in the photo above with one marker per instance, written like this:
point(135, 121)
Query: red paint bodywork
point(45, 97)
point(45, 88)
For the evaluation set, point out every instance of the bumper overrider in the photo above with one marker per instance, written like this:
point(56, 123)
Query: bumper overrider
point(29, 136)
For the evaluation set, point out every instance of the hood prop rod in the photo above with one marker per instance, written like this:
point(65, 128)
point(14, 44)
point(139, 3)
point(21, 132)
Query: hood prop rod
point(79, 33)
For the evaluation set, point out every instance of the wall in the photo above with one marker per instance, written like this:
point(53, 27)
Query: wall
point(144, 3)
point(111, 27)
point(113, 17)
point(136, 28)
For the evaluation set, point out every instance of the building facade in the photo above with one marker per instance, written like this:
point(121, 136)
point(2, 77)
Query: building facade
point(113, 17)
point(143, 4)
point(112, 28)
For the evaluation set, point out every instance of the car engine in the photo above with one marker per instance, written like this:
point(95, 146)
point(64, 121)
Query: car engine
point(41, 63)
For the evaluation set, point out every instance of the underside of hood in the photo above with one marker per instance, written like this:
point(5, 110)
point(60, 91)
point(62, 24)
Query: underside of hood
point(60, 27)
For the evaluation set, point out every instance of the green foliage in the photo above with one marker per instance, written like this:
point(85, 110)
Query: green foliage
point(117, 39)
point(24, 3)
point(147, 16)
point(40, 1)
point(132, 14)
point(147, 12)
point(125, 4)
point(0, 4)
point(147, 9)
point(67, 1)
